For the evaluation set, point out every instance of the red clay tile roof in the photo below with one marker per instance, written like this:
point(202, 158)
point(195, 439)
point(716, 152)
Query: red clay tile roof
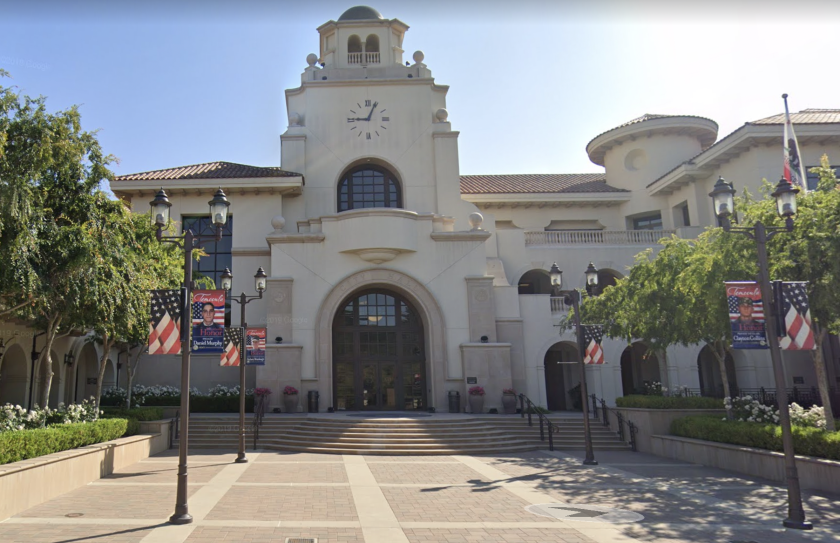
point(806, 116)
point(209, 170)
point(535, 183)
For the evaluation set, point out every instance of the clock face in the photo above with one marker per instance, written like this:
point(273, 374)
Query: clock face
point(368, 120)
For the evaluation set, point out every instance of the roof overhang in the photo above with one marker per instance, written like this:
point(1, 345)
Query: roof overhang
point(547, 199)
point(733, 145)
point(705, 130)
point(291, 186)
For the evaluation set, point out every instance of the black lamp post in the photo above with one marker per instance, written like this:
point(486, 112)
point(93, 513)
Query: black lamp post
point(785, 195)
point(259, 284)
point(161, 205)
point(573, 299)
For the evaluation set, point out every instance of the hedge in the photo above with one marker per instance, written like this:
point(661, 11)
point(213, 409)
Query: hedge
point(669, 402)
point(806, 441)
point(133, 415)
point(219, 404)
point(23, 444)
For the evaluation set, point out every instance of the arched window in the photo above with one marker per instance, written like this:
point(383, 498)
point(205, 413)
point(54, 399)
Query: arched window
point(372, 44)
point(354, 44)
point(368, 186)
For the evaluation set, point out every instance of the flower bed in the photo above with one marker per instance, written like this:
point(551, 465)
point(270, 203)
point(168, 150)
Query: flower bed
point(808, 441)
point(22, 444)
point(219, 399)
point(668, 402)
point(15, 417)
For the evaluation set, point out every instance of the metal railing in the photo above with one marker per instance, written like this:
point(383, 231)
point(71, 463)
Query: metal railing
point(620, 420)
point(259, 412)
point(558, 305)
point(174, 428)
point(596, 237)
point(604, 410)
point(363, 58)
point(552, 428)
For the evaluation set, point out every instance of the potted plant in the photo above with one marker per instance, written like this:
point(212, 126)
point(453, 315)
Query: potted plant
point(509, 401)
point(476, 399)
point(290, 399)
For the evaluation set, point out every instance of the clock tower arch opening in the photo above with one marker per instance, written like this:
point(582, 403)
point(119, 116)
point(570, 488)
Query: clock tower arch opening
point(368, 184)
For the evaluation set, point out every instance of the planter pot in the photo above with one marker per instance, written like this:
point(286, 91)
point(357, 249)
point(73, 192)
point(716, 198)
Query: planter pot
point(290, 402)
point(476, 403)
point(509, 403)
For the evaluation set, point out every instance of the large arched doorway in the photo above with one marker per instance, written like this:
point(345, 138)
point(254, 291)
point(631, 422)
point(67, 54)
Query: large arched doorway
point(535, 282)
point(562, 373)
point(14, 381)
point(379, 360)
point(708, 369)
point(639, 368)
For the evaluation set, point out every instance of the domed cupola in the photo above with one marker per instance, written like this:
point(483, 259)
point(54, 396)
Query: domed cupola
point(362, 39)
point(644, 148)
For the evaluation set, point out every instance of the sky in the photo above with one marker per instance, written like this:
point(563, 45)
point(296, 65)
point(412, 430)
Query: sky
point(168, 83)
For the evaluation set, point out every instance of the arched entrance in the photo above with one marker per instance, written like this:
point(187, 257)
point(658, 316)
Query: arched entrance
point(379, 360)
point(87, 372)
point(639, 367)
point(708, 369)
point(14, 377)
point(562, 373)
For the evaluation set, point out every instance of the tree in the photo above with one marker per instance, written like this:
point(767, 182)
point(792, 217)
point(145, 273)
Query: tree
point(811, 252)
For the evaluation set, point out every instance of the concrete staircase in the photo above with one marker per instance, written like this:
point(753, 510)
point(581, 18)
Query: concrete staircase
point(396, 436)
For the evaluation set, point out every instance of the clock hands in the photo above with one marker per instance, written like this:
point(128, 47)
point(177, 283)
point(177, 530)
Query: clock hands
point(371, 111)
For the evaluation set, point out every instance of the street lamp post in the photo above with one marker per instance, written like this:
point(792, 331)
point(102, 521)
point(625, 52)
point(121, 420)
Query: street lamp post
point(785, 195)
point(573, 297)
point(243, 299)
point(161, 205)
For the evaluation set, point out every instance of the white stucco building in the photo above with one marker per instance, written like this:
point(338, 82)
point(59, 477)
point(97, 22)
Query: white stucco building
point(384, 277)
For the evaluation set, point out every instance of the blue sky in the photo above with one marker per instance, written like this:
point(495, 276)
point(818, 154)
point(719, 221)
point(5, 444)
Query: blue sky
point(531, 83)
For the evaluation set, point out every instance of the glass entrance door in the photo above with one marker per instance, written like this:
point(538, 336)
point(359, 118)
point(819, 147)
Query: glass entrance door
point(378, 354)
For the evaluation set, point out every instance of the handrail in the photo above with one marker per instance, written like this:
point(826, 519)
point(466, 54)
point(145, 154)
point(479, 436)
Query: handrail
point(620, 419)
point(259, 413)
point(543, 420)
point(174, 426)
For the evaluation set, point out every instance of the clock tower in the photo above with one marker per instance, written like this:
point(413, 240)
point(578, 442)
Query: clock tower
point(360, 104)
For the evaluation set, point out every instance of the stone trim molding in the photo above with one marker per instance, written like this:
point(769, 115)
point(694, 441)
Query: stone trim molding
point(434, 326)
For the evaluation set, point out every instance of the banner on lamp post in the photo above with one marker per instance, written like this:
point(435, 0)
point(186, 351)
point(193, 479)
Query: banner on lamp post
point(208, 321)
point(165, 322)
point(746, 315)
point(232, 353)
point(255, 346)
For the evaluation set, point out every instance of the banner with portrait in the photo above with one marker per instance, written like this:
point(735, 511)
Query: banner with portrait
point(255, 346)
point(746, 315)
point(208, 321)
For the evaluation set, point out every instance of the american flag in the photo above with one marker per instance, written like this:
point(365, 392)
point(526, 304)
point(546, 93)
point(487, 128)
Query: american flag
point(592, 336)
point(218, 318)
point(232, 347)
point(165, 322)
point(797, 333)
point(734, 312)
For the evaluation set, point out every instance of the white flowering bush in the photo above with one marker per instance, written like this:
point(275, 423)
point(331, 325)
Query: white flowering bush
point(813, 417)
point(15, 417)
point(747, 409)
point(653, 389)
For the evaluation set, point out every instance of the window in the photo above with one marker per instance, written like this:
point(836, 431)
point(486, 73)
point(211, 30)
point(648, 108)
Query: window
point(368, 186)
point(812, 179)
point(651, 222)
point(218, 253)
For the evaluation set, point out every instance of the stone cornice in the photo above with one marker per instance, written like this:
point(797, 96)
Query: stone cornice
point(475, 235)
point(295, 238)
point(250, 251)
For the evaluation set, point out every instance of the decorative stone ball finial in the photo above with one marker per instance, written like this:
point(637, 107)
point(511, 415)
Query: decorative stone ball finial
point(294, 119)
point(476, 219)
point(441, 115)
point(278, 222)
point(311, 59)
point(418, 57)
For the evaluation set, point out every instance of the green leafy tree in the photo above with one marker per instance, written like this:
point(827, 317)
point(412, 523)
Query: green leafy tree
point(810, 253)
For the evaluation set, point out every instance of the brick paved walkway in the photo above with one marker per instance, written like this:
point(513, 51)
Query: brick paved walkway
point(450, 499)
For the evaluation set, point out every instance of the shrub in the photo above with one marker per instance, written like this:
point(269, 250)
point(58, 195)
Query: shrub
point(133, 416)
point(806, 441)
point(15, 417)
point(23, 444)
point(668, 402)
point(219, 404)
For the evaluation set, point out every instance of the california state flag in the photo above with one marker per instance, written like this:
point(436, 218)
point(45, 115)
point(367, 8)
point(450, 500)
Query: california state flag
point(793, 172)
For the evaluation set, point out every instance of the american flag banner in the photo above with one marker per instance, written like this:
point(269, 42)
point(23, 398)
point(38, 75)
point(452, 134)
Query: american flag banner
point(232, 347)
point(793, 169)
point(796, 331)
point(165, 322)
point(255, 346)
point(593, 334)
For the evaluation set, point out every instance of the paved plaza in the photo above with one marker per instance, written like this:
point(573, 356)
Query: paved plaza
point(423, 499)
